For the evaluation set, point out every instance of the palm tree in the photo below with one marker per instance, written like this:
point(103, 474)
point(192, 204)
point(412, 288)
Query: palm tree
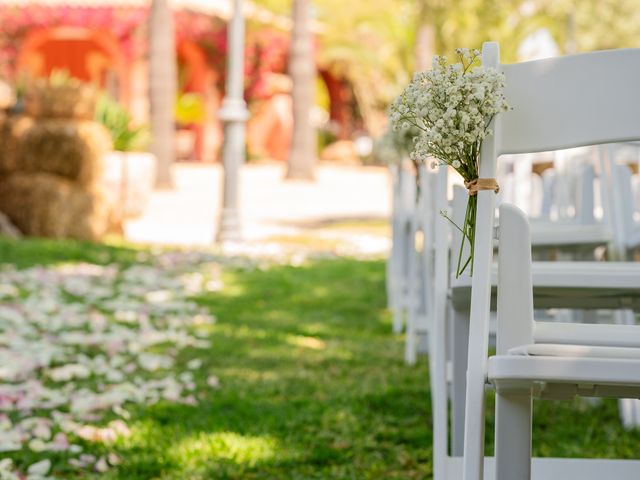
point(162, 89)
point(302, 155)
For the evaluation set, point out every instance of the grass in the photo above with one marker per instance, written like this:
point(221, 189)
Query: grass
point(312, 385)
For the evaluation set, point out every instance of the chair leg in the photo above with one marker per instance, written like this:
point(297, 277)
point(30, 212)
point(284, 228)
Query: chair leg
point(513, 436)
point(413, 292)
point(439, 401)
point(397, 318)
point(459, 349)
point(514, 327)
point(410, 347)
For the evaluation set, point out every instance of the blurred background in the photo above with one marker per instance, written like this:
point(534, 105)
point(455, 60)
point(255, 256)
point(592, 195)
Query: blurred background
point(112, 108)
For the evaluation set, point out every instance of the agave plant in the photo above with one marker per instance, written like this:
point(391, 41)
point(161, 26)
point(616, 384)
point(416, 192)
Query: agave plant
point(117, 119)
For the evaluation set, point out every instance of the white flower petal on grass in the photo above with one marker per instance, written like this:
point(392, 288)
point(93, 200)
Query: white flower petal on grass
point(37, 445)
point(60, 442)
point(194, 364)
point(40, 468)
point(153, 362)
point(6, 470)
point(42, 432)
point(213, 381)
point(10, 441)
point(101, 465)
point(80, 337)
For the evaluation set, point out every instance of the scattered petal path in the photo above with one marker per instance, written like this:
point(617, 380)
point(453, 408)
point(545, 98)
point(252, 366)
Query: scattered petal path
point(79, 343)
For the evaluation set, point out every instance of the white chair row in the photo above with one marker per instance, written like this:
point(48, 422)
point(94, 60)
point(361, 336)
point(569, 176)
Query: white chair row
point(554, 281)
point(557, 103)
point(581, 231)
point(402, 220)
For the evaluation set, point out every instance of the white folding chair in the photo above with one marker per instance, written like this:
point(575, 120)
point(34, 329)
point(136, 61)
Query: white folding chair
point(557, 103)
point(420, 271)
point(402, 245)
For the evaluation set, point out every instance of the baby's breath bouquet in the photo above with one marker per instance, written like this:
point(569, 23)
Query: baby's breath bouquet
point(452, 106)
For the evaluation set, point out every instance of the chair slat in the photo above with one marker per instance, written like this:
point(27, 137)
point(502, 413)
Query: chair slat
point(571, 101)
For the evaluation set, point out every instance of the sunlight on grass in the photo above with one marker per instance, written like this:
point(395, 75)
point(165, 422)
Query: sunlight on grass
point(232, 288)
point(374, 226)
point(306, 342)
point(230, 446)
point(309, 241)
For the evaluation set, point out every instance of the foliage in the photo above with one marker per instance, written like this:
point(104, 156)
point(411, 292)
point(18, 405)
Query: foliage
point(117, 119)
point(89, 342)
point(18, 22)
point(373, 42)
point(190, 108)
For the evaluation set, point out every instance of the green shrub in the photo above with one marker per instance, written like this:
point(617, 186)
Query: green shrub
point(117, 119)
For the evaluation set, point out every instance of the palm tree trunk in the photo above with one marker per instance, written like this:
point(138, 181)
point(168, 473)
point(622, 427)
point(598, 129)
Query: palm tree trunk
point(162, 89)
point(425, 46)
point(302, 155)
point(426, 33)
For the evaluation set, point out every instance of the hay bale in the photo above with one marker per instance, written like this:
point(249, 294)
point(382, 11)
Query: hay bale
point(70, 99)
point(12, 129)
point(45, 205)
point(71, 149)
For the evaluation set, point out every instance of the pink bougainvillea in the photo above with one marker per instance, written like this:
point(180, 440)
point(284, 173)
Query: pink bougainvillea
point(266, 48)
point(18, 22)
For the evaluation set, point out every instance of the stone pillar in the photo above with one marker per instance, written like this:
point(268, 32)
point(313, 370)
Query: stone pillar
point(234, 115)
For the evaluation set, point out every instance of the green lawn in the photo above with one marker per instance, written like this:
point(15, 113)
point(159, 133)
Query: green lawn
point(312, 384)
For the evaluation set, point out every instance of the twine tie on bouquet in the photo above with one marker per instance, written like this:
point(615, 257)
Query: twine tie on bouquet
point(477, 184)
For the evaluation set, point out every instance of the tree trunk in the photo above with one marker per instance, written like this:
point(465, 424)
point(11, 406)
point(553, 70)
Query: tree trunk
point(428, 11)
point(162, 89)
point(302, 155)
point(425, 46)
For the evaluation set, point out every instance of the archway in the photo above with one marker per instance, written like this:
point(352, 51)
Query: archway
point(195, 94)
point(90, 55)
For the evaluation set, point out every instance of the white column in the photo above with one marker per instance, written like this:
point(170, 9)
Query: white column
point(234, 114)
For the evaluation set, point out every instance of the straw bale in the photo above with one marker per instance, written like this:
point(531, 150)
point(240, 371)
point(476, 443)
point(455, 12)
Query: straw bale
point(45, 205)
point(71, 149)
point(73, 99)
point(12, 130)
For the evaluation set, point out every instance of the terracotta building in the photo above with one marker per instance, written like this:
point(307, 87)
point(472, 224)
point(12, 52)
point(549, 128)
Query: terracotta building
point(105, 42)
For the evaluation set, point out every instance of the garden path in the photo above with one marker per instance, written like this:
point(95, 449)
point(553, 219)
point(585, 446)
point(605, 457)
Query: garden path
point(270, 206)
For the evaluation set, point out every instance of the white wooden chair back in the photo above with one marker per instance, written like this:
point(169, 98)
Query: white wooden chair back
point(404, 198)
point(557, 103)
point(420, 269)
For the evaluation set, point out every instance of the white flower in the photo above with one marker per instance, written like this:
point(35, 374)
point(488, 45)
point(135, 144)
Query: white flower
point(452, 105)
point(456, 164)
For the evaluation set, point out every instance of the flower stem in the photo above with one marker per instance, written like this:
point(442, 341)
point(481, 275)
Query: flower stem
point(468, 231)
